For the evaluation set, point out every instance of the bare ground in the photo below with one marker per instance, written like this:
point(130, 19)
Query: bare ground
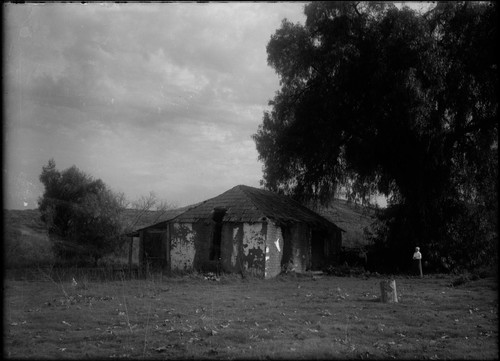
point(283, 318)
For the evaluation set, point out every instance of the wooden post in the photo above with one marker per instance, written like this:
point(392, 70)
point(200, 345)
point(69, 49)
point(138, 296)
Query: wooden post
point(388, 293)
point(130, 249)
point(167, 249)
point(141, 254)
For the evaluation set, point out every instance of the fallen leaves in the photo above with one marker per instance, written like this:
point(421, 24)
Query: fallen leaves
point(386, 344)
point(14, 323)
point(325, 313)
point(344, 316)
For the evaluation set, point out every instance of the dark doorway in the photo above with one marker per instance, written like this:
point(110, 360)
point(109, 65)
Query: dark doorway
point(325, 248)
point(319, 250)
point(215, 245)
point(153, 252)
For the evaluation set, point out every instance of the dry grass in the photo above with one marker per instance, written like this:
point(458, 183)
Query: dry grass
point(288, 317)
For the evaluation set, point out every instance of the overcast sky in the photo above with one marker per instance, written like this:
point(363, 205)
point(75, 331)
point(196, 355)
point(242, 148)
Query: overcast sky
point(160, 97)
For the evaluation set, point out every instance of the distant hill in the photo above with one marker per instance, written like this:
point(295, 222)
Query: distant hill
point(25, 238)
point(28, 221)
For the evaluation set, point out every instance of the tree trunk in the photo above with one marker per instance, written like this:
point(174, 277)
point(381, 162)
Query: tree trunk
point(388, 292)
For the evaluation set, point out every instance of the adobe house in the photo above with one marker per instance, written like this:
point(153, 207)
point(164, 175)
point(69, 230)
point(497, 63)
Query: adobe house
point(245, 229)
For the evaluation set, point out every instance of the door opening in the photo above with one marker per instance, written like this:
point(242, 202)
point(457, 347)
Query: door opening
point(215, 245)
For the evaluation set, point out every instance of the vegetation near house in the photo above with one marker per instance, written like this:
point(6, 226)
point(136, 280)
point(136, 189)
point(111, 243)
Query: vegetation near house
point(376, 99)
point(81, 213)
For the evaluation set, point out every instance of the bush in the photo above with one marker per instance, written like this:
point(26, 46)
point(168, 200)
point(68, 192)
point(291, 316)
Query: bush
point(82, 215)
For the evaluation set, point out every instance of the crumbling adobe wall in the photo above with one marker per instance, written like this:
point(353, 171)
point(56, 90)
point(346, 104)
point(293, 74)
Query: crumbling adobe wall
point(254, 243)
point(274, 250)
point(182, 246)
point(243, 247)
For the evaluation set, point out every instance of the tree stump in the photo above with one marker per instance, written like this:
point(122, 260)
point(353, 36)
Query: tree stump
point(388, 293)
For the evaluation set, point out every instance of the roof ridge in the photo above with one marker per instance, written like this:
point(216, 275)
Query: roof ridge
point(242, 187)
point(279, 196)
point(196, 205)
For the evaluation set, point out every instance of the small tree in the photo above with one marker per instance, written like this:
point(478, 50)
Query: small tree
point(82, 214)
point(146, 208)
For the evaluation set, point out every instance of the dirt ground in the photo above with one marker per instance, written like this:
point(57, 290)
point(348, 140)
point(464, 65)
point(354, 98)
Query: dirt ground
point(287, 317)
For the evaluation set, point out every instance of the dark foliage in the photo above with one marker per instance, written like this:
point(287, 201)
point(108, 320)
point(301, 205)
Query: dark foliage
point(376, 99)
point(82, 215)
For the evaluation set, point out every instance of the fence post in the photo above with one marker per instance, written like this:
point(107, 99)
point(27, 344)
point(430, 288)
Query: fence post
point(130, 249)
point(388, 293)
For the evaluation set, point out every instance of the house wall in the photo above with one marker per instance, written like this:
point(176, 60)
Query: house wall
point(274, 250)
point(190, 246)
point(182, 246)
point(254, 243)
point(256, 248)
point(242, 246)
point(299, 238)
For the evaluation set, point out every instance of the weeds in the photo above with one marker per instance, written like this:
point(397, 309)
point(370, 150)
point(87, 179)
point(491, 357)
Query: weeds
point(125, 305)
point(146, 333)
point(48, 277)
point(188, 316)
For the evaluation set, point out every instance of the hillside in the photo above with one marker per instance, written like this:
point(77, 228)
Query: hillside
point(27, 222)
point(25, 238)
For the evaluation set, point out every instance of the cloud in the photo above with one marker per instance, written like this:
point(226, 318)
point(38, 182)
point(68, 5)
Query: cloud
point(157, 97)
